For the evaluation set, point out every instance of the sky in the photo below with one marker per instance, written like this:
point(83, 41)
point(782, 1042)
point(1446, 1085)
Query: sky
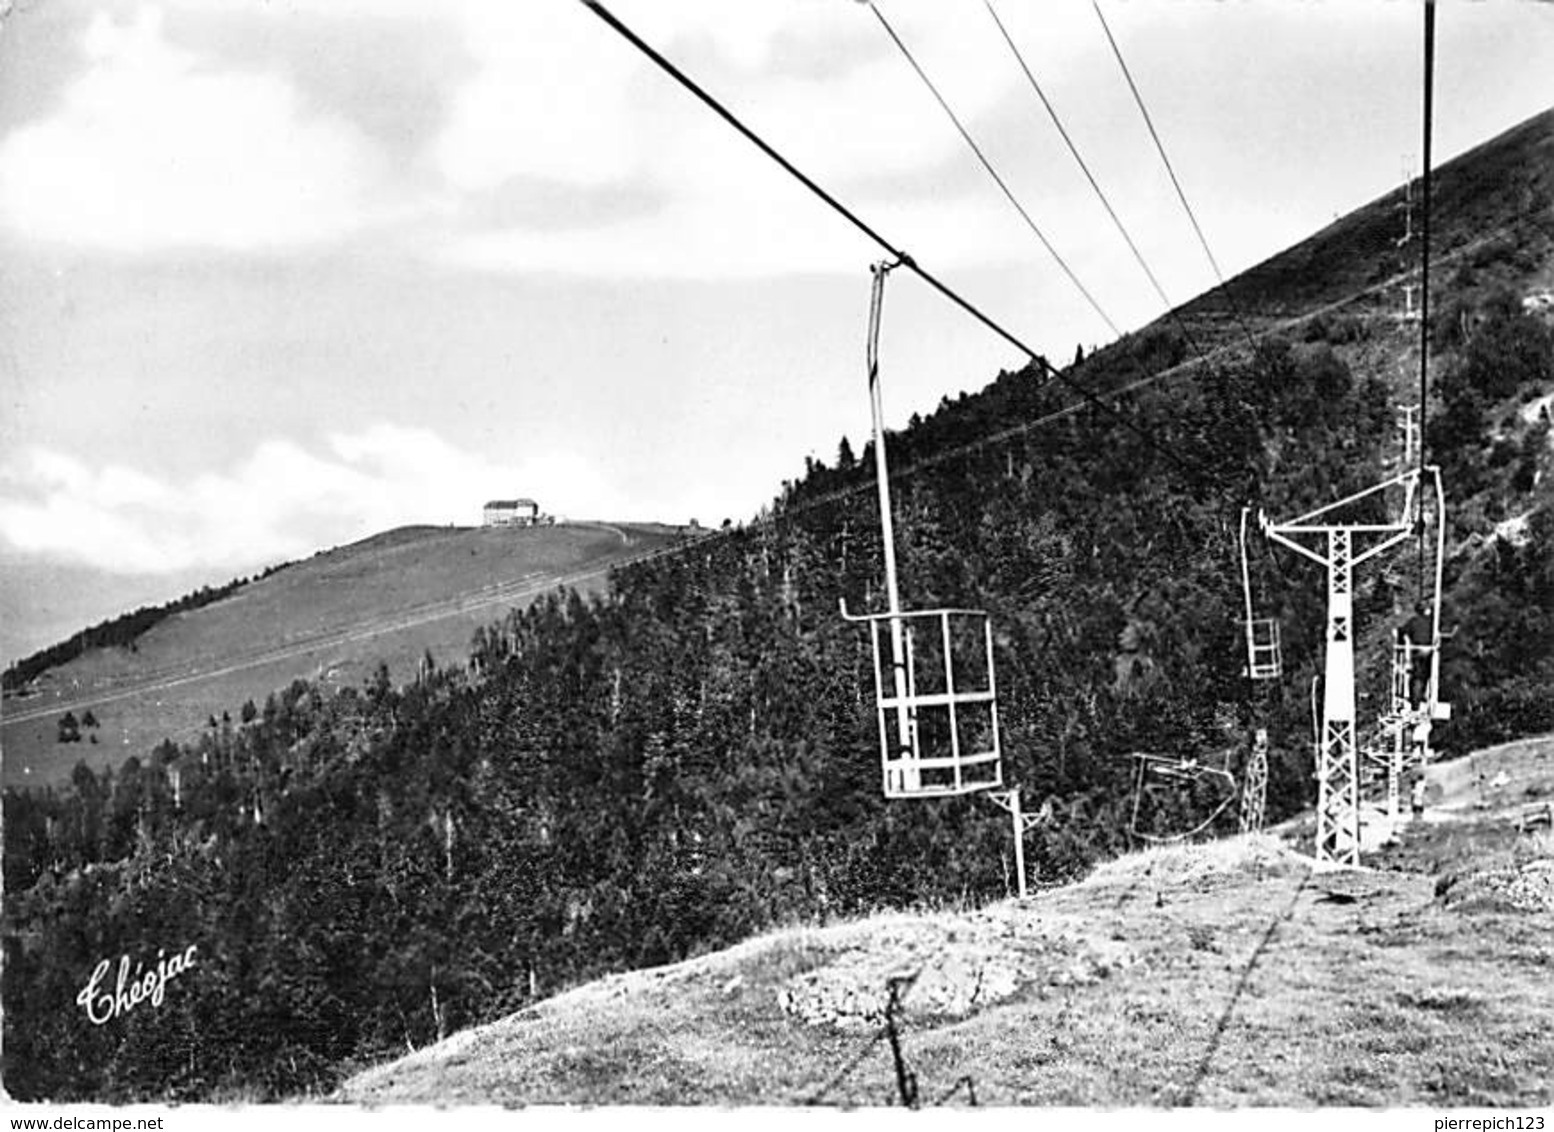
point(276, 275)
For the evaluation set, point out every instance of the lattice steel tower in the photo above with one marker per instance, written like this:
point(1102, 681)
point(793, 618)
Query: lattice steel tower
point(1338, 783)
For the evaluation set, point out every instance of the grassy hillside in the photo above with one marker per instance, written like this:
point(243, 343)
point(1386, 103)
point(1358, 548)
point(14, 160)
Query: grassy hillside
point(389, 599)
point(1233, 973)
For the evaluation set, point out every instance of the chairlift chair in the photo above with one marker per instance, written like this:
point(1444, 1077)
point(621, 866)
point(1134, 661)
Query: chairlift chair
point(1263, 656)
point(936, 699)
point(935, 694)
point(1183, 771)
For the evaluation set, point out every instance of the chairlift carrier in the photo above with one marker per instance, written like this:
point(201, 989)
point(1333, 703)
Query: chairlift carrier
point(1263, 657)
point(935, 689)
point(1185, 770)
point(930, 707)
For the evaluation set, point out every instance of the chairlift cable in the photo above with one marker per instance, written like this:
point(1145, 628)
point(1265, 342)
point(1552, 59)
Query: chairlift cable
point(1181, 195)
point(1180, 369)
point(1090, 397)
point(1424, 282)
point(991, 171)
point(1073, 150)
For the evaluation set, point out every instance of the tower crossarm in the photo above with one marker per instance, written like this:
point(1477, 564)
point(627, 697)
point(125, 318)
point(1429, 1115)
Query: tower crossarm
point(1408, 480)
point(1288, 536)
point(1353, 528)
point(1398, 535)
point(1285, 536)
point(1278, 535)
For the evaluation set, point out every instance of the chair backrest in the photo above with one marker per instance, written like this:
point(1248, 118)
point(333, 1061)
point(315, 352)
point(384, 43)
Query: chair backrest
point(936, 699)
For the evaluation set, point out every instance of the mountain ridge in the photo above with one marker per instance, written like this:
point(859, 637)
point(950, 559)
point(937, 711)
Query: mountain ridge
point(303, 621)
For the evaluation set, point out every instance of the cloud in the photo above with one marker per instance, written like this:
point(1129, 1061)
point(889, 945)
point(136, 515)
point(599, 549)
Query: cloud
point(558, 98)
point(771, 229)
point(543, 103)
point(281, 501)
point(556, 95)
point(153, 148)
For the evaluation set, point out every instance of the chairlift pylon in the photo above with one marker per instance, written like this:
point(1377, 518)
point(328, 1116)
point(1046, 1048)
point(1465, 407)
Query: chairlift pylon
point(1415, 703)
point(1254, 790)
point(1347, 536)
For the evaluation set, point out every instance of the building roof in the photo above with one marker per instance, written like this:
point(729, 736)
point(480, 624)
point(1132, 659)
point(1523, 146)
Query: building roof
point(511, 504)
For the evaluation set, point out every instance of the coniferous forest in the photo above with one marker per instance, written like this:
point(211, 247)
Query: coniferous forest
point(692, 757)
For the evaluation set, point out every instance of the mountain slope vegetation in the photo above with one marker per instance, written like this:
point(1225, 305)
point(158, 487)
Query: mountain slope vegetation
point(663, 768)
point(1233, 973)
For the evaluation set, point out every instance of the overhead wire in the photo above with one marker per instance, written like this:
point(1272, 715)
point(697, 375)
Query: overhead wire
point(1176, 183)
point(1090, 397)
point(1095, 186)
point(1424, 235)
point(1181, 369)
point(991, 171)
point(1424, 286)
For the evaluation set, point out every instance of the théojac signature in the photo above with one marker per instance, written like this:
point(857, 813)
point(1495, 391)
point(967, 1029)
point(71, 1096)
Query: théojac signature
point(102, 1005)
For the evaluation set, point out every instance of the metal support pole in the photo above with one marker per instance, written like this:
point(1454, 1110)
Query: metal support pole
point(1424, 257)
point(1338, 801)
point(1432, 696)
point(905, 748)
point(1019, 837)
point(1402, 703)
point(1410, 427)
point(1246, 593)
point(1010, 800)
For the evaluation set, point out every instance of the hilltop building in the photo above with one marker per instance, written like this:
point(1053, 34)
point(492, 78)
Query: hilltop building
point(511, 513)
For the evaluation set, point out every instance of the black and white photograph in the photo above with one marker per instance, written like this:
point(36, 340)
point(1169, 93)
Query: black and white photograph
point(592, 557)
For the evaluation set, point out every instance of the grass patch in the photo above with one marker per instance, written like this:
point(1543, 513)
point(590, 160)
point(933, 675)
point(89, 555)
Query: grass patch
point(1457, 1003)
point(332, 619)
